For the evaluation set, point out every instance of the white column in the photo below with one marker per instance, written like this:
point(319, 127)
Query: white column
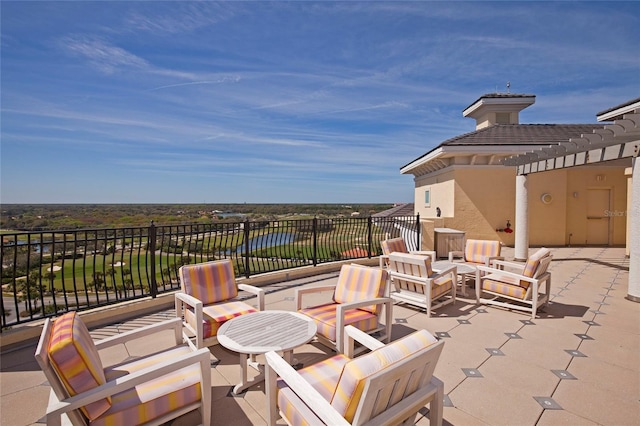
point(522, 219)
point(633, 210)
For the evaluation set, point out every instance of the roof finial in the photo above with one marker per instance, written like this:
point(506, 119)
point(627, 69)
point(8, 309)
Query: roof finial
point(508, 87)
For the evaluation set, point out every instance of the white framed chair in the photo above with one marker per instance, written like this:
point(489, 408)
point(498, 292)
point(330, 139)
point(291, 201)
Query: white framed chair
point(358, 300)
point(387, 386)
point(151, 389)
point(208, 298)
point(416, 283)
point(516, 285)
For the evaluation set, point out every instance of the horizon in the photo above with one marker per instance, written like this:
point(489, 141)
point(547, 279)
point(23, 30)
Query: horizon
point(281, 102)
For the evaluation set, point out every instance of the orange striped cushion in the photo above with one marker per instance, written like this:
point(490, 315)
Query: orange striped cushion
point(325, 318)
point(75, 359)
point(477, 251)
point(394, 244)
point(323, 376)
point(216, 315)
point(209, 282)
point(351, 385)
point(155, 398)
point(357, 283)
point(509, 286)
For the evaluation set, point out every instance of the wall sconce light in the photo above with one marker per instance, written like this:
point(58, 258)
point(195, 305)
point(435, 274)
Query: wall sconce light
point(546, 198)
point(601, 178)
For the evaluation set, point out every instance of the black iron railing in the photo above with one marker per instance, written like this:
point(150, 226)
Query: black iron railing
point(45, 273)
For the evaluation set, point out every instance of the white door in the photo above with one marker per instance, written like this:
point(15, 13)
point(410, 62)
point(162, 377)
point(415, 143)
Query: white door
point(598, 221)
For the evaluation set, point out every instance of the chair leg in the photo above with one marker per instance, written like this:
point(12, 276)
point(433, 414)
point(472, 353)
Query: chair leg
point(436, 404)
point(270, 390)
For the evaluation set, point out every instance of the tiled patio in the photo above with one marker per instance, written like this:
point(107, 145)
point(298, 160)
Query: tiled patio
point(577, 363)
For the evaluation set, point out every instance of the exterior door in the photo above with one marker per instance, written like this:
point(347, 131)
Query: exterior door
point(598, 219)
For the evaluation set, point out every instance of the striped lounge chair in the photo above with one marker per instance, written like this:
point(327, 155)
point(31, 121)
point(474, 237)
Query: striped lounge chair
point(357, 299)
point(208, 298)
point(152, 389)
point(387, 386)
point(516, 285)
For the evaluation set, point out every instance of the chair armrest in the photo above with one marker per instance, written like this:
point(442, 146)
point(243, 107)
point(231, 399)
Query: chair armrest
point(489, 260)
point(309, 290)
point(174, 324)
point(384, 260)
point(502, 263)
point(506, 273)
point(455, 253)
point(430, 253)
point(189, 300)
point(129, 381)
point(343, 307)
point(254, 290)
point(352, 334)
point(307, 393)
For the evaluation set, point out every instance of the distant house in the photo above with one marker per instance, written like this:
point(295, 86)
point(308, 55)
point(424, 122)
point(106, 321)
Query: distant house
point(355, 253)
point(465, 179)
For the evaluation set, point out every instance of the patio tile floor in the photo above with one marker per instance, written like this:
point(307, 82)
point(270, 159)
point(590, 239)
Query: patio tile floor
point(581, 355)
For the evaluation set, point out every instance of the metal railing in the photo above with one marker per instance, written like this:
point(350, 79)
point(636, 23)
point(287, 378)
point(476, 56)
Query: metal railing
point(46, 273)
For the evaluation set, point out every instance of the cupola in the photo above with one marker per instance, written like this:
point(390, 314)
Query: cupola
point(498, 108)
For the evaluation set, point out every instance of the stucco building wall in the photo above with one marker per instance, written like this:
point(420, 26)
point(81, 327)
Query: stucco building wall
point(479, 200)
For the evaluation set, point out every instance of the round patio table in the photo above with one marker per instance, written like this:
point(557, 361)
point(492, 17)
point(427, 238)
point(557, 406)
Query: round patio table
point(260, 332)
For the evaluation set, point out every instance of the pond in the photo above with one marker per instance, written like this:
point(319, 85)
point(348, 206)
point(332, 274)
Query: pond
point(269, 240)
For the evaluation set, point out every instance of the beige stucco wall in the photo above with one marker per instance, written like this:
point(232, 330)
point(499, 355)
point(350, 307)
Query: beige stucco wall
point(480, 199)
point(579, 181)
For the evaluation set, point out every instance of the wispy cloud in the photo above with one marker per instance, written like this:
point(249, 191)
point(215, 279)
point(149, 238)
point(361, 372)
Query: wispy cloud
point(101, 55)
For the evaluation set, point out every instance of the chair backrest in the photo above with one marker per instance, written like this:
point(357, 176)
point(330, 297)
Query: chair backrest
point(357, 282)
point(70, 361)
point(409, 264)
point(209, 282)
point(477, 251)
point(536, 265)
point(372, 383)
point(393, 244)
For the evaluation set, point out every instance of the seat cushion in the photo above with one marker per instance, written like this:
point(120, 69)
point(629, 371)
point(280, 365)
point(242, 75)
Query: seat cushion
point(156, 397)
point(75, 359)
point(352, 382)
point(504, 284)
point(477, 251)
point(216, 315)
point(357, 283)
point(209, 282)
point(325, 318)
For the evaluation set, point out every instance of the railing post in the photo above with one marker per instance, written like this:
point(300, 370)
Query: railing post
point(153, 284)
point(369, 237)
point(247, 273)
point(418, 243)
point(315, 241)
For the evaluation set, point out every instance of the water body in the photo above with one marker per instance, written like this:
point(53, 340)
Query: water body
point(269, 240)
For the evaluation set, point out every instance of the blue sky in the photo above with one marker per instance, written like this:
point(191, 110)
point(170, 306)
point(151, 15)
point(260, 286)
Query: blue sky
point(281, 102)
